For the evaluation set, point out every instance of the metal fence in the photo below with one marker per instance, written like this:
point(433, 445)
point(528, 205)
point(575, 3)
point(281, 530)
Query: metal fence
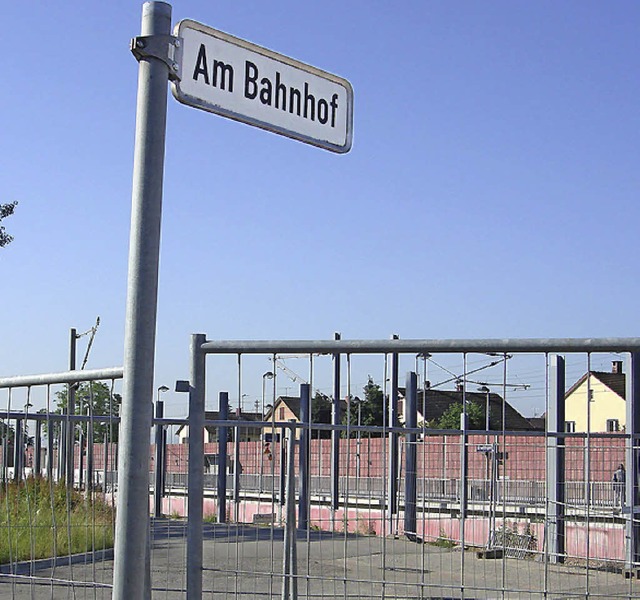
point(300, 503)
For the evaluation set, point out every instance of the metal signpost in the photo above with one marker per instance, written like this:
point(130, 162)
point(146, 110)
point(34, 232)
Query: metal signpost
point(236, 79)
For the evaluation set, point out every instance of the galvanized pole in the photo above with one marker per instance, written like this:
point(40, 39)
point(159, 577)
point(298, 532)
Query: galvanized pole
point(37, 450)
point(411, 458)
point(195, 490)
point(289, 558)
point(392, 421)
point(556, 461)
point(131, 576)
point(157, 486)
point(303, 455)
point(631, 502)
point(223, 437)
point(335, 436)
point(69, 426)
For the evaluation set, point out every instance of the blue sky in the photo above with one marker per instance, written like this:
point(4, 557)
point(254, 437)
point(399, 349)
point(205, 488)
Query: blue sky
point(492, 189)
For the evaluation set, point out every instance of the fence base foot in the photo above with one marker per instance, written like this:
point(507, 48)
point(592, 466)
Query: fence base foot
point(490, 554)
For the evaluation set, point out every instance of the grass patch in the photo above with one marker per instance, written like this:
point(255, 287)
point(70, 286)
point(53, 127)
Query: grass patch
point(41, 519)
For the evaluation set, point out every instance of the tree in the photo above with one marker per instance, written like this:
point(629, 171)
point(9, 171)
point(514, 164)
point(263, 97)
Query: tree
point(450, 419)
point(321, 409)
point(368, 411)
point(6, 210)
point(93, 398)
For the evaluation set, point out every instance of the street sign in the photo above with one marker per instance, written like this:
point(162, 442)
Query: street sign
point(484, 448)
point(239, 80)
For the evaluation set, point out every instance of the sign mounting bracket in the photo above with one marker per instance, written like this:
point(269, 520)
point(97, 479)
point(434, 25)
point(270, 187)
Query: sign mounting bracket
point(162, 47)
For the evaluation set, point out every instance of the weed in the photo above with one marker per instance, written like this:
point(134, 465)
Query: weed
point(43, 519)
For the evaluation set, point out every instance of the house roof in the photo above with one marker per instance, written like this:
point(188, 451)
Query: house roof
point(616, 382)
point(293, 403)
point(439, 401)
point(214, 415)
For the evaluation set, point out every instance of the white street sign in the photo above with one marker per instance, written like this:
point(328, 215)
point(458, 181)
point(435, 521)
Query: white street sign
point(242, 81)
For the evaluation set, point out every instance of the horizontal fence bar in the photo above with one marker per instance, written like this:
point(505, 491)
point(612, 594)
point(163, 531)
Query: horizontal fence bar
point(63, 377)
point(525, 345)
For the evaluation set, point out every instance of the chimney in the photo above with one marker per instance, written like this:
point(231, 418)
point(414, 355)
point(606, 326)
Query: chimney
point(238, 411)
point(616, 366)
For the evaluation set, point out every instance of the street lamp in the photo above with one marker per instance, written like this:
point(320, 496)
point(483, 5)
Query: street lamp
point(265, 376)
point(162, 389)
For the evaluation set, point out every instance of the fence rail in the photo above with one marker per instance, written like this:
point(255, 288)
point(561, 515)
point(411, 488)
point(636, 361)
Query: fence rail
point(291, 507)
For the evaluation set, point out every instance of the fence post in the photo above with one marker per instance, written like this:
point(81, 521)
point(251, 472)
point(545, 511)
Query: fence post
point(411, 467)
point(158, 475)
point(556, 460)
point(632, 495)
point(195, 490)
point(289, 559)
point(335, 436)
point(70, 425)
point(105, 458)
point(50, 449)
point(283, 471)
point(305, 418)
point(392, 421)
point(18, 452)
point(223, 435)
point(37, 450)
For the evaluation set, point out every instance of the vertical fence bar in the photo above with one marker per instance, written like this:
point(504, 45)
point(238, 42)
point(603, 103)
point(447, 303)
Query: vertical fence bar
point(303, 456)
point(195, 489)
point(556, 460)
point(105, 458)
point(282, 487)
point(131, 567)
point(335, 435)
point(223, 436)
point(37, 450)
point(70, 426)
point(632, 504)
point(411, 458)
point(50, 448)
point(157, 485)
point(17, 451)
point(392, 421)
point(289, 559)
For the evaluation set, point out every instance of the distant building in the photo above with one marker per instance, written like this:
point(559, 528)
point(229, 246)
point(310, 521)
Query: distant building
point(606, 410)
point(246, 434)
point(437, 402)
point(287, 408)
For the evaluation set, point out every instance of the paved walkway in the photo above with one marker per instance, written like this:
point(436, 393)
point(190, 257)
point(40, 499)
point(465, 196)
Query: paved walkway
point(245, 561)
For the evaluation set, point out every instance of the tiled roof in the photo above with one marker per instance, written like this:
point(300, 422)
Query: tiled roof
point(438, 402)
point(616, 382)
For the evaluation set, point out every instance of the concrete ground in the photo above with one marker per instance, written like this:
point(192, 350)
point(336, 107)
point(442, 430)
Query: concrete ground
point(246, 561)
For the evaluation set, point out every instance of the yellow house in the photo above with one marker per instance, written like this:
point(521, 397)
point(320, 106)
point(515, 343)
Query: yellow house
point(287, 408)
point(606, 409)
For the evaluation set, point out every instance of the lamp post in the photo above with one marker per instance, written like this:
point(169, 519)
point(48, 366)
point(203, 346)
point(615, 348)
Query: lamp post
point(265, 376)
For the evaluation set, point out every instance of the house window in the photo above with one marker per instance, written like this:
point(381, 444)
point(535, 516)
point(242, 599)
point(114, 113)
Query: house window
point(570, 426)
point(281, 414)
point(613, 425)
